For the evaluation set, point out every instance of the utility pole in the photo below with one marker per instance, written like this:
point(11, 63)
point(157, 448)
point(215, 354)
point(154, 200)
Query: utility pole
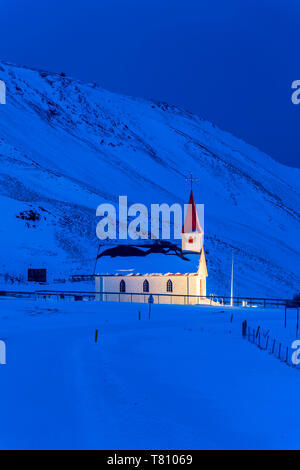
point(231, 295)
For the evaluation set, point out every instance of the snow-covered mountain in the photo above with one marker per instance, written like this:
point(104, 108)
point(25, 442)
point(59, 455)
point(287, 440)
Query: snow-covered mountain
point(66, 147)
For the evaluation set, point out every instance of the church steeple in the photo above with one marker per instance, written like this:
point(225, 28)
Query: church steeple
point(192, 232)
point(191, 223)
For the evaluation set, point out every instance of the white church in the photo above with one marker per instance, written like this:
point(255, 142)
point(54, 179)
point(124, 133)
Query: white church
point(171, 274)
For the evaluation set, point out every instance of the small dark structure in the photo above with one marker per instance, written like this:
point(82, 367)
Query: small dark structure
point(244, 329)
point(37, 275)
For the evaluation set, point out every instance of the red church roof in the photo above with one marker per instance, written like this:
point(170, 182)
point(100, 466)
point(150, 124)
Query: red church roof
point(191, 223)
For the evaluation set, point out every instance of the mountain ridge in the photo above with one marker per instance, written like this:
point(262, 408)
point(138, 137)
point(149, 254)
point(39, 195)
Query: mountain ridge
point(67, 146)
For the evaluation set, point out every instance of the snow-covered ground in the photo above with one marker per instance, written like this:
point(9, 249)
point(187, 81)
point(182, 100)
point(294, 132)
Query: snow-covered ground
point(183, 380)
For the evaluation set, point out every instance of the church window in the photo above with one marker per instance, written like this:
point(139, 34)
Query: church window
point(169, 286)
point(145, 286)
point(122, 286)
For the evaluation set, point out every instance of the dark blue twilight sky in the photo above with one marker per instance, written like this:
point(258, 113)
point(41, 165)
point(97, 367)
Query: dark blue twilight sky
point(230, 61)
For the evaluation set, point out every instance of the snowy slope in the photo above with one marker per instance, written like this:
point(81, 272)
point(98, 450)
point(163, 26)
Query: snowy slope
point(66, 147)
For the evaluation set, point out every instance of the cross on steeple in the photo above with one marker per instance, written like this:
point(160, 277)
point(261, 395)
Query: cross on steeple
point(191, 179)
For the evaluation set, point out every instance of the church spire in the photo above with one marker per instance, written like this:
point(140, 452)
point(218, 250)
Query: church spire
point(192, 232)
point(191, 223)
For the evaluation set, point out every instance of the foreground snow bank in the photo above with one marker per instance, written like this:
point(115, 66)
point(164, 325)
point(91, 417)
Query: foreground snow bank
point(185, 379)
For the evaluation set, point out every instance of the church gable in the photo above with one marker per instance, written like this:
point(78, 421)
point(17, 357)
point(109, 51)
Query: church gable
point(202, 265)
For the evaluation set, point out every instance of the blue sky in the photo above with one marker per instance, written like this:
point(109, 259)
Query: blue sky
point(231, 62)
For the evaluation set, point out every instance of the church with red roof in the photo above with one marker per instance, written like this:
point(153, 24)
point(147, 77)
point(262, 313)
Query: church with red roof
point(170, 273)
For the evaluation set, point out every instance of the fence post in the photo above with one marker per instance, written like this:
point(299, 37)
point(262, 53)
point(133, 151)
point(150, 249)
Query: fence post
point(273, 348)
point(279, 353)
point(267, 342)
point(285, 317)
point(244, 328)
